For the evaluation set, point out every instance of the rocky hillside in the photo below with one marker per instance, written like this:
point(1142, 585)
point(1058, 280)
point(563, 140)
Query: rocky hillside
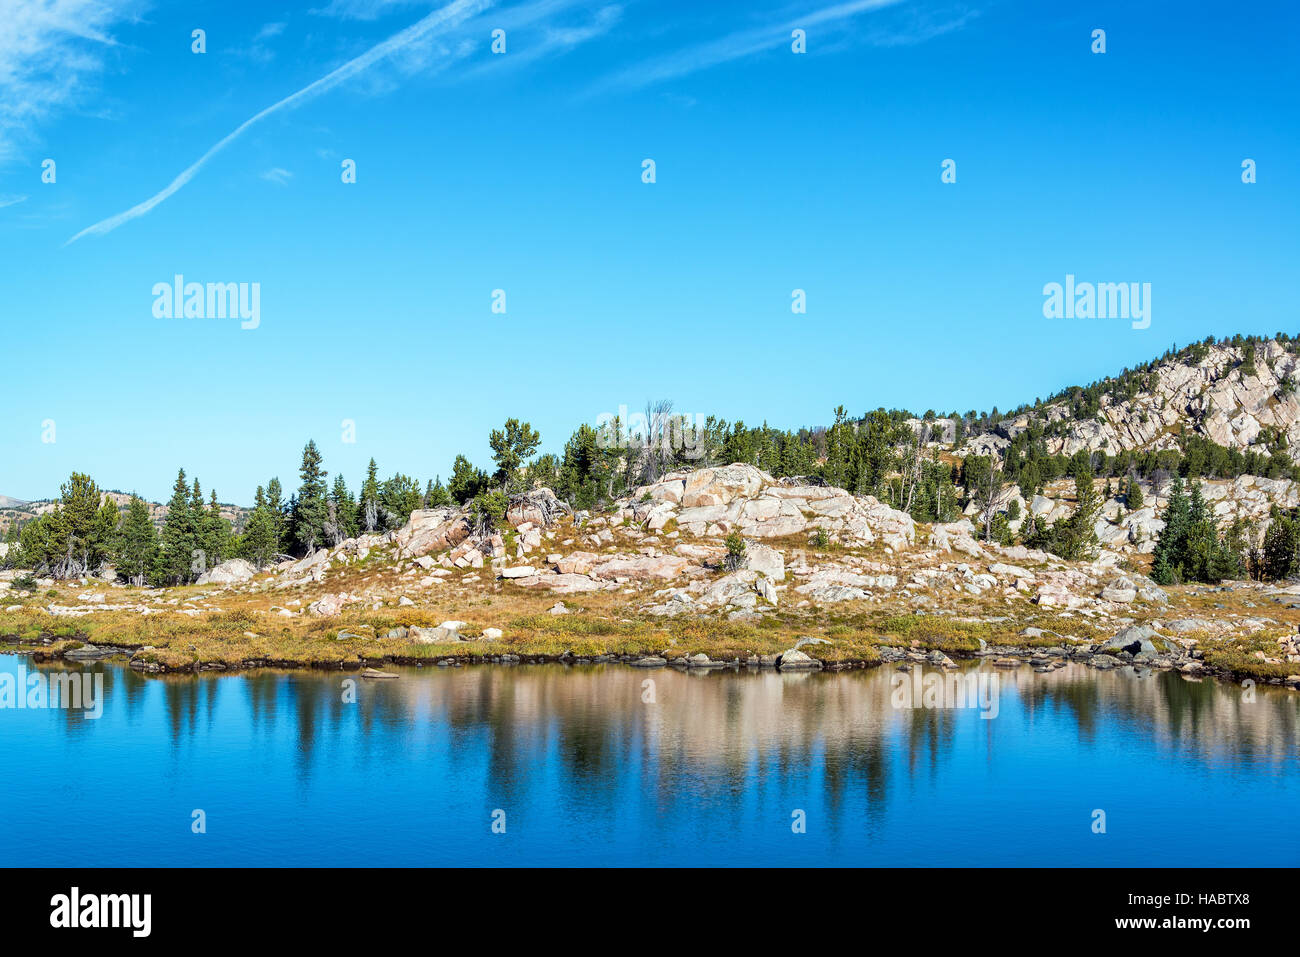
point(1217, 393)
point(826, 578)
point(16, 512)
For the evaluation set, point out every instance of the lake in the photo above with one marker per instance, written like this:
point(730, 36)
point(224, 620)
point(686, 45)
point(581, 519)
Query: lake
point(579, 768)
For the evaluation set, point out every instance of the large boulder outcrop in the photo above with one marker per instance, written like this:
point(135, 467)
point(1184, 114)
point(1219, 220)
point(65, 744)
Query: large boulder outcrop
point(562, 584)
point(432, 530)
point(1136, 639)
point(765, 560)
point(539, 507)
point(640, 568)
point(328, 606)
point(228, 573)
point(956, 536)
point(716, 501)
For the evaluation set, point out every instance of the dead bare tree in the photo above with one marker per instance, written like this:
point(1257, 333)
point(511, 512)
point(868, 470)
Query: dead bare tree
point(912, 469)
point(989, 503)
point(333, 527)
point(1159, 479)
point(657, 441)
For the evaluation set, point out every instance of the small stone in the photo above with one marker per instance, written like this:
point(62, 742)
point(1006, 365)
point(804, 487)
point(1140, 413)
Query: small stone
point(796, 660)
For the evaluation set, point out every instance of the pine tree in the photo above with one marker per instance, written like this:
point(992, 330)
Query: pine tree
point(343, 511)
point(79, 528)
point(13, 553)
point(200, 560)
point(1161, 573)
point(511, 447)
point(1076, 536)
point(368, 506)
point(1225, 563)
point(1028, 481)
point(261, 541)
point(399, 496)
point(437, 496)
point(278, 512)
point(1248, 359)
point(311, 508)
point(797, 456)
point(839, 447)
point(215, 533)
point(35, 543)
point(588, 470)
point(1166, 568)
point(1280, 543)
point(1133, 494)
point(178, 536)
point(466, 481)
point(104, 536)
point(74, 538)
point(1201, 540)
point(137, 545)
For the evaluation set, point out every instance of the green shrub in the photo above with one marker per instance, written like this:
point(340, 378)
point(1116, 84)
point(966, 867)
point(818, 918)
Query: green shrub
point(735, 551)
point(489, 511)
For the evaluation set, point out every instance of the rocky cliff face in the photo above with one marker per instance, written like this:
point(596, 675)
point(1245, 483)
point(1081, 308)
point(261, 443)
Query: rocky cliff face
point(1120, 529)
point(1215, 398)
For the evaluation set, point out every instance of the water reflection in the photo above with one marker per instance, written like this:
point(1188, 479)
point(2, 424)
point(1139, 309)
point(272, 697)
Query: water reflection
point(716, 753)
point(764, 724)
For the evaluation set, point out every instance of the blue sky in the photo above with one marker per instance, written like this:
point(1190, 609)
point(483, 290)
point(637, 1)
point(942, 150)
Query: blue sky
point(522, 171)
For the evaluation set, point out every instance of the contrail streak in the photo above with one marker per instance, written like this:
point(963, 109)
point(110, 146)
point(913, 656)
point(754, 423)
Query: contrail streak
point(439, 20)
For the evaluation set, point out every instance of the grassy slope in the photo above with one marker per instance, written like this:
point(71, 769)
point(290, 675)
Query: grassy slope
point(234, 628)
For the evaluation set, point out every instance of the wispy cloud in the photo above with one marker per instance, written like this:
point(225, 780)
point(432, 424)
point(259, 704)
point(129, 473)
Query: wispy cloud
point(922, 26)
point(11, 201)
point(533, 30)
point(438, 21)
point(51, 52)
point(277, 175)
point(736, 45)
point(258, 48)
point(362, 9)
point(269, 30)
point(550, 40)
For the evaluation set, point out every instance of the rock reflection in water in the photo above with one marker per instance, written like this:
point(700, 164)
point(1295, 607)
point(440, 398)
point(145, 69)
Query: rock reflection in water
point(711, 771)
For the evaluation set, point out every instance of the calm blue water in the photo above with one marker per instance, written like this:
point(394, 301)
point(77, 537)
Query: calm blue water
point(410, 774)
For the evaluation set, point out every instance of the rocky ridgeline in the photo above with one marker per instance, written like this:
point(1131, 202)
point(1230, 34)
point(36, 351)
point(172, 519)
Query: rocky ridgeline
point(16, 512)
point(1213, 398)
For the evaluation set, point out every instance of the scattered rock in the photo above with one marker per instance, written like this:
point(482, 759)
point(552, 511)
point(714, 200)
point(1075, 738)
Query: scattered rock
point(796, 660)
point(228, 573)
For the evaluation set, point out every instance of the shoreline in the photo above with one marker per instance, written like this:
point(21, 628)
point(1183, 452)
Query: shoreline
point(1042, 659)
